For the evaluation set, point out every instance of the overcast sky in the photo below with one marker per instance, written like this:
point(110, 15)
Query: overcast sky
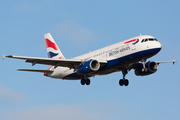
point(77, 27)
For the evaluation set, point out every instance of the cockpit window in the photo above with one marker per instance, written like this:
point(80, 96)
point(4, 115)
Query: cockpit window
point(149, 39)
point(155, 39)
point(142, 40)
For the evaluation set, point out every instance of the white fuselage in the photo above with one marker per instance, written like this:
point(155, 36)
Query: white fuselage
point(117, 55)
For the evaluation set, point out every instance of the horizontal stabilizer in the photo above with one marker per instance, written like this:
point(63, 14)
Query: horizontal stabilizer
point(33, 70)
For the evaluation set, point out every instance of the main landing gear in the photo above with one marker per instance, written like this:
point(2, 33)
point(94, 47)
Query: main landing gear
point(124, 81)
point(85, 81)
point(143, 63)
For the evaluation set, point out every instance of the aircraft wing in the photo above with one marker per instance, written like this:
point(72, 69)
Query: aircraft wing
point(136, 65)
point(71, 63)
point(173, 61)
point(33, 70)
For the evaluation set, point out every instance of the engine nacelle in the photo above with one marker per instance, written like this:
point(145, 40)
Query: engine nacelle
point(150, 68)
point(88, 67)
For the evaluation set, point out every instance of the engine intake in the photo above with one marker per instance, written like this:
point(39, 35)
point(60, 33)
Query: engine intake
point(150, 68)
point(88, 67)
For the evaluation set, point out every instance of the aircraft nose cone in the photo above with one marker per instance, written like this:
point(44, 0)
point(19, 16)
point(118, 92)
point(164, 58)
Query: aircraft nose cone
point(159, 45)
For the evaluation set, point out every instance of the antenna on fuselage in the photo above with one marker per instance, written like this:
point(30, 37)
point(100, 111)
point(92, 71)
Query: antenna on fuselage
point(140, 34)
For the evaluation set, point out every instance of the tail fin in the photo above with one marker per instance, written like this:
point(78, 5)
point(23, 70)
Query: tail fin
point(52, 48)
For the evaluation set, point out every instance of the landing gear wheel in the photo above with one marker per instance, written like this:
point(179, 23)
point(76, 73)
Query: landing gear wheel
point(126, 82)
point(83, 81)
point(88, 81)
point(121, 82)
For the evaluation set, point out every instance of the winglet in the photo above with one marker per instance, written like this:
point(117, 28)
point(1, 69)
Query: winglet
point(3, 56)
point(174, 61)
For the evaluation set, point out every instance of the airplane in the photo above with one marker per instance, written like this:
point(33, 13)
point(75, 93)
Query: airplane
point(123, 56)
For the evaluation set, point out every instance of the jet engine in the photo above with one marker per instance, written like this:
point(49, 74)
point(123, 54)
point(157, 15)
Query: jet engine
point(150, 68)
point(88, 67)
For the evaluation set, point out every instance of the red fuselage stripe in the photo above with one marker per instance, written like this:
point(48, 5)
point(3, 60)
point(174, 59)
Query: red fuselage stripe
point(131, 41)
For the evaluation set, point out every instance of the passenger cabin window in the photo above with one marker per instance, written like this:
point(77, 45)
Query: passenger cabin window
point(148, 39)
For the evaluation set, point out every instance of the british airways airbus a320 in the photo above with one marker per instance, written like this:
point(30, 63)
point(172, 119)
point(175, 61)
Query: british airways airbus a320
point(123, 56)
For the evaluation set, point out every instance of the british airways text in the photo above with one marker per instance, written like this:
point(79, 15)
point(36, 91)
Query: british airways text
point(118, 51)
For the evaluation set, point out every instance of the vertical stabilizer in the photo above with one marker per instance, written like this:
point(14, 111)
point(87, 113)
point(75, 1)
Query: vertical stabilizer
point(52, 48)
